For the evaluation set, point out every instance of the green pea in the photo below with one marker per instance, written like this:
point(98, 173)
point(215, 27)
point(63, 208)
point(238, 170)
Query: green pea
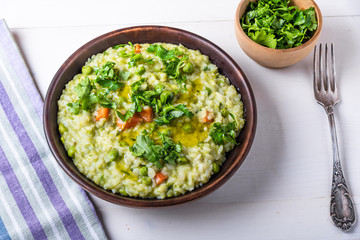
point(123, 192)
point(86, 70)
point(112, 156)
point(71, 151)
point(188, 68)
point(178, 148)
point(215, 167)
point(182, 160)
point(62, 128)
point(140, 70)
point(146, 181)
point(123, 144)
point(144, 171)
point(224, 112)
point(62, 140)
point(166, 132)
point(188, 128)
point(170, 193)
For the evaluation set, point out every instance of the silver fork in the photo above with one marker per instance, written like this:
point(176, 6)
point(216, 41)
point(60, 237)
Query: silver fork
point(326, 92)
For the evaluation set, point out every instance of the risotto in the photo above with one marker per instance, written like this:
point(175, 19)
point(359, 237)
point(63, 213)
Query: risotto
point(149, 120)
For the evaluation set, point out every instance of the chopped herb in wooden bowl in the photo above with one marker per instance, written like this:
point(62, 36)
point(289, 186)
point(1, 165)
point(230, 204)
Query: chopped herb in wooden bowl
point(276, 24)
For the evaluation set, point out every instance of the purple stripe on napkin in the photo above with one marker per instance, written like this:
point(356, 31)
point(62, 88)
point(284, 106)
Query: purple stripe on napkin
point(20, 198)
point(39, 167)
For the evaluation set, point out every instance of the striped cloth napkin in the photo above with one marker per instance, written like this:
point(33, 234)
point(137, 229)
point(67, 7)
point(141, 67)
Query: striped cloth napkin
point(37, 200)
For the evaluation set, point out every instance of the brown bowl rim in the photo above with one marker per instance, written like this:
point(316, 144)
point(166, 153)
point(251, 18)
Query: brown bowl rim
point(272, 50)
point(58, 150)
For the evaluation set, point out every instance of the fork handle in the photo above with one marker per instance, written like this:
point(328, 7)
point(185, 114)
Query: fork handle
point(342, 210)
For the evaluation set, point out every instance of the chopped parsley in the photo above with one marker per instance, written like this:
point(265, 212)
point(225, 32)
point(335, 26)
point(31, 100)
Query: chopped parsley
point(74, 108)
point(174, 61)
point(86, 98)
point(274, 24)
point(119, 46)
point(141, 98)
point(168, 152)
point(108, 78)
point(124, 75)
point(224, 133)
point(158, 99)
point(108, 75)
point(171, 112)
point(208, 90)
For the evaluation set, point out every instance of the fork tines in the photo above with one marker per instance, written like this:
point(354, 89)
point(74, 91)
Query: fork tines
point(324, 68)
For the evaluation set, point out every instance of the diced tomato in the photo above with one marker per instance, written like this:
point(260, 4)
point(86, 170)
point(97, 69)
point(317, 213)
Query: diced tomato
point(147, 114)
point(121, 124)
point(160, 177)
point(208, 117)
point(102, 113)
point(133, 121)
point(130, 123)
point(137, 48)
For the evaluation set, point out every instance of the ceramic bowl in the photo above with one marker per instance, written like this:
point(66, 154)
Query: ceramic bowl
point(149, 34)
point(276, 58)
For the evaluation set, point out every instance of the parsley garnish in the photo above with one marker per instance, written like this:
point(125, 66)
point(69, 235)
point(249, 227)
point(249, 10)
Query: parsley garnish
point(208, 91)
point(118, 46)
point(168, 152)
point(109, 78)
point(171, 112)
point(124, 75)
point(224, 133)
point(86, 97)
point(174, 60)
point(111, 85)
point(274, 24)
point(108, 71)
point(140, 98)
point(158, 99)
point(84, 88)
point(74, 108)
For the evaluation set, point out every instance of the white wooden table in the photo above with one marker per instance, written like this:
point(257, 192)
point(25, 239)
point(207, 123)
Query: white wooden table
point(282, 190)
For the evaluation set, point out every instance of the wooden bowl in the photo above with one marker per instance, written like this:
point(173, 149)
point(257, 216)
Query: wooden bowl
point(276, 58)
point(149, 34)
